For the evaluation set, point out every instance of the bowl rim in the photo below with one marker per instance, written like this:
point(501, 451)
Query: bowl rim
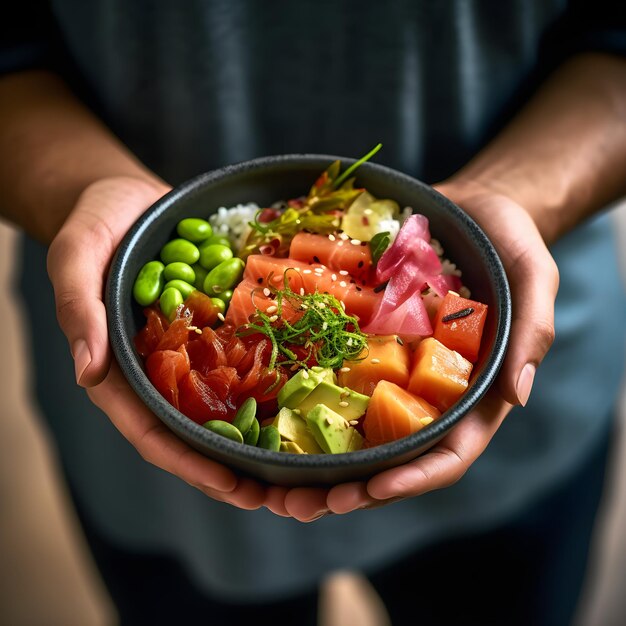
point(132, 368)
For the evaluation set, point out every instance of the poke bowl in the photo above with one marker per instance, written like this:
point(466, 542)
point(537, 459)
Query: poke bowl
point(307, 346)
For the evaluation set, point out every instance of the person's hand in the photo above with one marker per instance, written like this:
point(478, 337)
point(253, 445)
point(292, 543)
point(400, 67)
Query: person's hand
point(78, 261)
point(533, 278)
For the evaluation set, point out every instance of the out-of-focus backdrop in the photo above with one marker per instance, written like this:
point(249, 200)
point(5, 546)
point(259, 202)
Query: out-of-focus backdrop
point(46, 576)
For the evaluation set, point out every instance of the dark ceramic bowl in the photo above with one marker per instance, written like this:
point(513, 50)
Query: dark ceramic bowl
point(265, 181)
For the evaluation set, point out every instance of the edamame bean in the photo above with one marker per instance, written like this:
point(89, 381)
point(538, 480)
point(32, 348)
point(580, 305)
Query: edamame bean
point(225, 296)
point(180, 285)
point(269, 438)
point(219, 427)
point(246, 414)
point(217, 239)
point(251, 438)
point(169, 301)
point(149, 283)
point(179, 250)
point(212, 255)
point(194, 229)
point(200, 276)
point(179, 271)
point(220, 304)
point(225, 276)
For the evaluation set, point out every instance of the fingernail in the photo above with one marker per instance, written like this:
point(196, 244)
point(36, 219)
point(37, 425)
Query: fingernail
point(317, 516)
point(82, 358)
point(525, 383)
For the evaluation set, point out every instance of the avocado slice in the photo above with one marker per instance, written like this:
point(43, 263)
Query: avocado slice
point(294, 429)
point(297, 388)
point(332, 431)
point(348, 403)
point(290, 446)
point(325, 373)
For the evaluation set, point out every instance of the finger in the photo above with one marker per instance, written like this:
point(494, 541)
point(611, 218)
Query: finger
point(248, 494)
point(306, 504)
point(448, 461)
point(349, 497)
point(275, 500)
point(534, 282)
point(153, 440)
point(78, 261)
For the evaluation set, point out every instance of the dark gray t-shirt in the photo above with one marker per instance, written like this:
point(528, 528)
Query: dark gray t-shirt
point(189, 86)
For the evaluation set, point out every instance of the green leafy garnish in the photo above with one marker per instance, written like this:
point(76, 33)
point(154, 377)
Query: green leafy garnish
point(316, 213)
point(360, 162)
point(324, 333)
point(378, 244)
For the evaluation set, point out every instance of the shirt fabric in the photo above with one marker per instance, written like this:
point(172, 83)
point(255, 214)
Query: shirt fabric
point(193, 86)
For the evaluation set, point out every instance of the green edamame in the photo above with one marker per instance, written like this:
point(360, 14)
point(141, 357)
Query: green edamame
point(179, 250)
point(180, 285)
point(246, 414)
point(201, 273)
point(179, 271)
point(220, 304)
point(194, 229)
point(217, 239)
point(225, 296)
point(251, 438)
point(219, 427)
point(225, 276)
point(149, 283)
point(170, 300)
point(211, 256)
point(269, 438)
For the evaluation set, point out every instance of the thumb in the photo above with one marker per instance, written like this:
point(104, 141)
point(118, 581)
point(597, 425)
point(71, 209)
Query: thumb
point(78, 261)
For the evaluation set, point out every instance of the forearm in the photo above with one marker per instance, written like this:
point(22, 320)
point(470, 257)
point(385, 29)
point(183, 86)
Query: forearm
point(51, 148)
point(564, 156)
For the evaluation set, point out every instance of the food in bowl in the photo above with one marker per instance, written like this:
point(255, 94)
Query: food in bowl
point(326, 324)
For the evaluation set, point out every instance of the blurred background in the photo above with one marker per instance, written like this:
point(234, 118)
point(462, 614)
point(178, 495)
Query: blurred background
point(47, 577)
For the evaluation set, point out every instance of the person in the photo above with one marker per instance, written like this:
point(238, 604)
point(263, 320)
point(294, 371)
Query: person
point(515, 110)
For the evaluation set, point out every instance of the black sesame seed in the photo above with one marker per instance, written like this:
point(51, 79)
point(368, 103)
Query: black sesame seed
point(380, 287)
point(316, 259)
point(259, 280)
point(361, 264)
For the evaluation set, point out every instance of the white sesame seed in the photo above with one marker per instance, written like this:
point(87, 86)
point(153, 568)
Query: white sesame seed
point(301, 291)
point(219, 317)
point(375, 361)
point(199, 332)
point(344, 369)
point(426, 420)
point(340, 243)
point(355, 242)
point(344, 272)
point(332, 237)
point(343, 305)
point(273, 318)
point(454, 293)
point(353, 422)
point(367, 212)
point(321, 305)
point(305, 374)
point(266, 292)
point(343, 283)
point(344, 237)
point(343, 403)
point(324, 325)
point(333, 276)
point(306, 271)
point(349, 342)
point(271, 309)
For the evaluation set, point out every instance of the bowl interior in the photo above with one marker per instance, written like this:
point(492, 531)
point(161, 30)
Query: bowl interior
point(266, 181)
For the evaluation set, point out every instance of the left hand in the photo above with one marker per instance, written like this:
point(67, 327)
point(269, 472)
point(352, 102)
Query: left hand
point(533, 278)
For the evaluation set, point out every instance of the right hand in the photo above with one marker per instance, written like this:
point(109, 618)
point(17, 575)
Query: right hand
point(78, 261)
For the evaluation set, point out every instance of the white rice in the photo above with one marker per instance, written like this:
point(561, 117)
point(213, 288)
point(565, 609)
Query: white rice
point(234, 223)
